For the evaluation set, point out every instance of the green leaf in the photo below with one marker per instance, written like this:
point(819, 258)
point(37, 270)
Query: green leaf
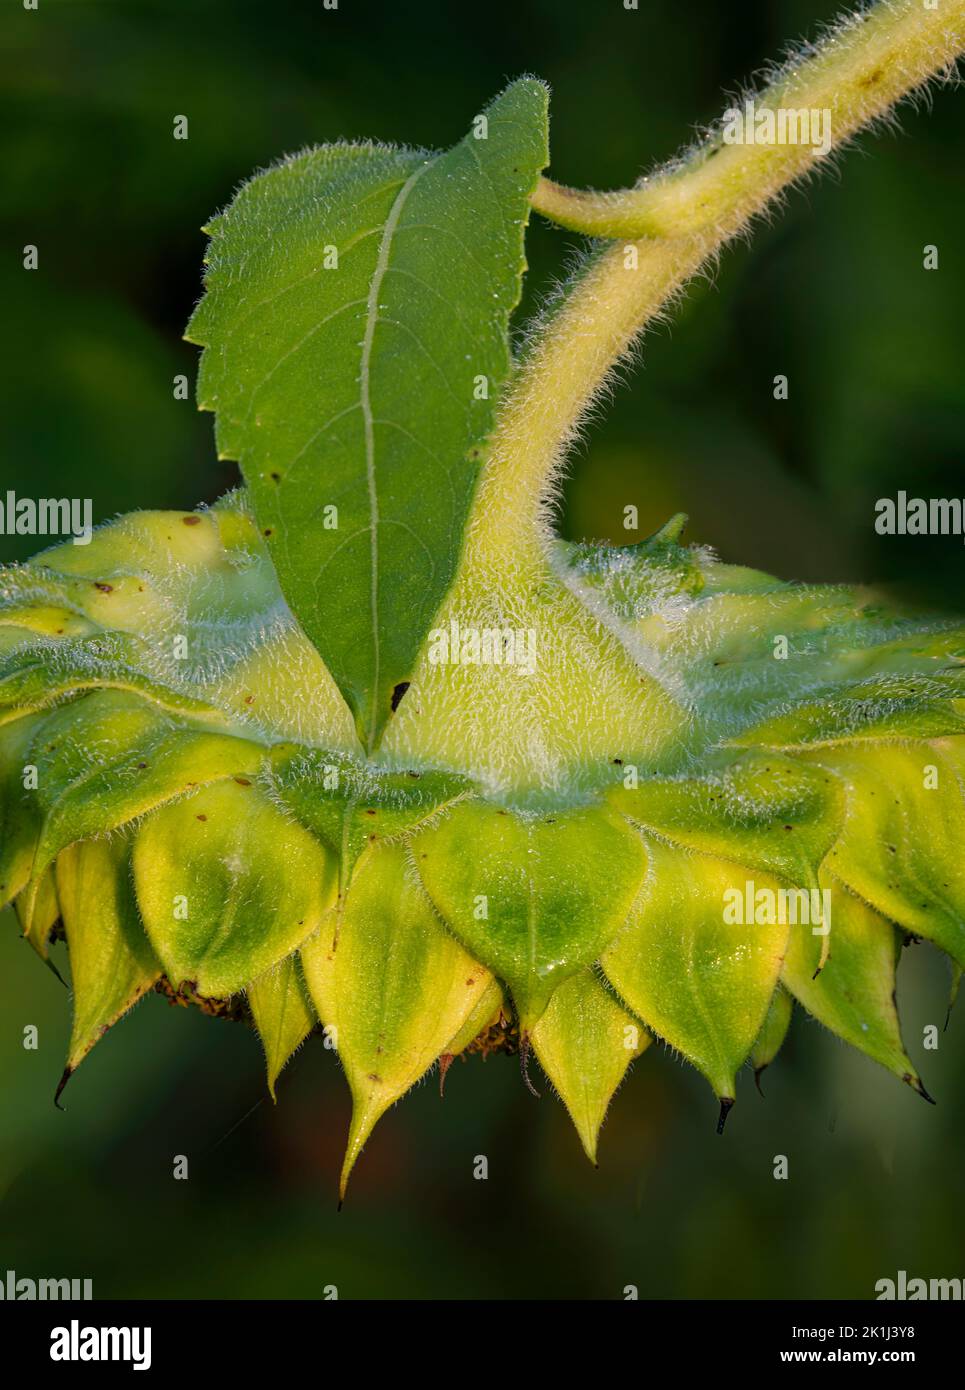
point(763, 663)
point(906, 813)
point(20, 818)
point(585, 1041)
point(108, 758)
point(535, 897)
point(395, 991)
point(228, 887)
point(764, 810)
point(486, 1013)
point(698, 981)
point(890, 707)
point(770, 1039)
point(632, 580)
point(21, 625)
point(853, 994)
point(37, 678)
point(111, 961)
point(37, 912)
point(357, 382)
point(349, 803)
point(283, 1015)
point(182, 608)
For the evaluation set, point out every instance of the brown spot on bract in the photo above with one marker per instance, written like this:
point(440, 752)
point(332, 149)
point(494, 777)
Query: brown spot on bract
point(104, 588)
point(201, 817)
point(191, 520)
point(470, 982)
point(242, 781)
point(374, 1076)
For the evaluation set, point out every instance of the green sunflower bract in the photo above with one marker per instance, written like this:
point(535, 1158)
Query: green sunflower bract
point(213, 823)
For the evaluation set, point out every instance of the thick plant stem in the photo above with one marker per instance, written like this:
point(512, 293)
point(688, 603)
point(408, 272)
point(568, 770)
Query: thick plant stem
point(670, 228)
point(855, 74)
point(618, 291)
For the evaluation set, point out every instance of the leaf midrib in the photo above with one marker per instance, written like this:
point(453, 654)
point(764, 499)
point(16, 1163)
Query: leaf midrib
point(368, 338)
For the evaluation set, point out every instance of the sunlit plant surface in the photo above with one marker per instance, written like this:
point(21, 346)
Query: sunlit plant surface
point(365, 750)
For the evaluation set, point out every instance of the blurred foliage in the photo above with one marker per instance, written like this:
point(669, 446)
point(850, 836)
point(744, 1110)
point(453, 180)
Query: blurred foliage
point(832, 293)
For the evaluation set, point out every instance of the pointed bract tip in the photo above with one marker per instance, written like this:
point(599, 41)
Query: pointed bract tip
point(726, 1103)
point(671, 530)
point(757, 1080)
point(916, 1084)
point(68, 1073)
point(825, 955)
point(366, 1113)
point(589, 1136)
point(445, 1062)
point(53, 970)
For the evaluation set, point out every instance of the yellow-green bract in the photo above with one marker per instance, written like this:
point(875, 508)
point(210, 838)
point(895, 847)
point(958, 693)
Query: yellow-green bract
point(182, 784)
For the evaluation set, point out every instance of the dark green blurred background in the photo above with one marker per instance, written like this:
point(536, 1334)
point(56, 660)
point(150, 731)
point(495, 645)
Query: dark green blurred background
point(833, 295)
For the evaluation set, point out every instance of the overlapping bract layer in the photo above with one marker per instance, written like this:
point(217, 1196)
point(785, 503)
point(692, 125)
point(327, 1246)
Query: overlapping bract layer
point(181, 785)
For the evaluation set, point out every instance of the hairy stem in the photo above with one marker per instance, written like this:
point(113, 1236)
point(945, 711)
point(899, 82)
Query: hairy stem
point(567, 364)
point(855, 74)
point(672, 225)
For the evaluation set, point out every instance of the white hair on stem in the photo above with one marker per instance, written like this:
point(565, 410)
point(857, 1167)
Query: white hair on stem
point(673, 226)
